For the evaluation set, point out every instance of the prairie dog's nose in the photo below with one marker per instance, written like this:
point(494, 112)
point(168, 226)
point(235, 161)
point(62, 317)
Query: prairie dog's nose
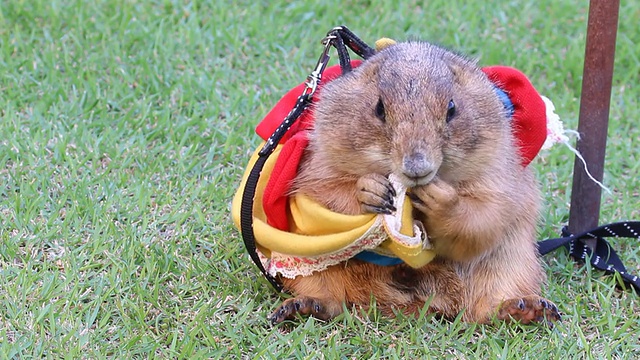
point(415, 166)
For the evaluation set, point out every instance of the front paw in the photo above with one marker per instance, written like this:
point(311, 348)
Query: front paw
point(376, 194)
point(436, 197)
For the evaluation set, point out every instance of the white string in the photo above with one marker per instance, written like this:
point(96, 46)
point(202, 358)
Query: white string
point(586, 169)
point(556, 133)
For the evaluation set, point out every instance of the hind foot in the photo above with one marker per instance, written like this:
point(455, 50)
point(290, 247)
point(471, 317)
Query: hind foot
point(306, 306)
point(529, 309)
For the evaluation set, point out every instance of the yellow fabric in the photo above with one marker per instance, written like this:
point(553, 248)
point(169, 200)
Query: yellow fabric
point(383, 43)
point(414, 256)
point(316, 230)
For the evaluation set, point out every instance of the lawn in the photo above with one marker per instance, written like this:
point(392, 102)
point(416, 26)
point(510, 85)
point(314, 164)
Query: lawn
point(125, 128)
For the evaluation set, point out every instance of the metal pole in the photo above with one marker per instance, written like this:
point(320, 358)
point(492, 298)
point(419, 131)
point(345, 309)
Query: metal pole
point(594, 114)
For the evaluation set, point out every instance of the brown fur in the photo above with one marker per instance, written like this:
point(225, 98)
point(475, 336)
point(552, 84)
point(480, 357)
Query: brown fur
point(478, 204)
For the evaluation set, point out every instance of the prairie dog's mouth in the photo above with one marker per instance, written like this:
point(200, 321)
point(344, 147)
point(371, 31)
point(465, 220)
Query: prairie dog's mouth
point(417, 168)
point(410, 182)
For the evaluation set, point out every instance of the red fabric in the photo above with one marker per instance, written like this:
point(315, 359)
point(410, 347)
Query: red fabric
point(529, 127)
point(275, 200)
point(530, 116)
point(274, 118)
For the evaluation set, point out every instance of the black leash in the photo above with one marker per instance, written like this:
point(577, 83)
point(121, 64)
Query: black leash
point(339, 37)
point(603, 257)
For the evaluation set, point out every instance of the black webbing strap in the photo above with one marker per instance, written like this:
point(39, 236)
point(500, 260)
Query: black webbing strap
point(338, 37)
point(343, 55)
point(344, 36)
point(603, 257)
point(354, 43)
point(249, 192)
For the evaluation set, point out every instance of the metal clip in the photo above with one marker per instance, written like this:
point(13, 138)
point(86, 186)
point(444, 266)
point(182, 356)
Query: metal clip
point(316, 75)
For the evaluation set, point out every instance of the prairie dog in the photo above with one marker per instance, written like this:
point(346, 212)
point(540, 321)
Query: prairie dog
point(432, 118)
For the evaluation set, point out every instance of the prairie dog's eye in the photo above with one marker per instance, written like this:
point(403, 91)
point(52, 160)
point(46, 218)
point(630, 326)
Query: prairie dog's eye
point(380, 110)
point(451, 110)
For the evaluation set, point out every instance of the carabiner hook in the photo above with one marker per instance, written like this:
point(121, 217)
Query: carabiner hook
point(314, 78)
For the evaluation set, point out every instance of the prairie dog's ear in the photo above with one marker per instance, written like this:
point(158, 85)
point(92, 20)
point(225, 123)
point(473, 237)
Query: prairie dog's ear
point(460, 67)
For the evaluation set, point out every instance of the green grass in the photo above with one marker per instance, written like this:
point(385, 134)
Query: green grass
point(126, 126)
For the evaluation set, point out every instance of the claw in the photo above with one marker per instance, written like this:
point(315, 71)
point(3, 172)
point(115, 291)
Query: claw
point(388, 200)
point(391, 207)
point(392, 191)
point(272, 319)
point(413, 197)
point(382, 210)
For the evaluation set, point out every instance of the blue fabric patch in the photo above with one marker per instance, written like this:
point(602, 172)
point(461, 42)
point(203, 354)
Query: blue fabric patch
point(506, 102)
point(374, 258)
